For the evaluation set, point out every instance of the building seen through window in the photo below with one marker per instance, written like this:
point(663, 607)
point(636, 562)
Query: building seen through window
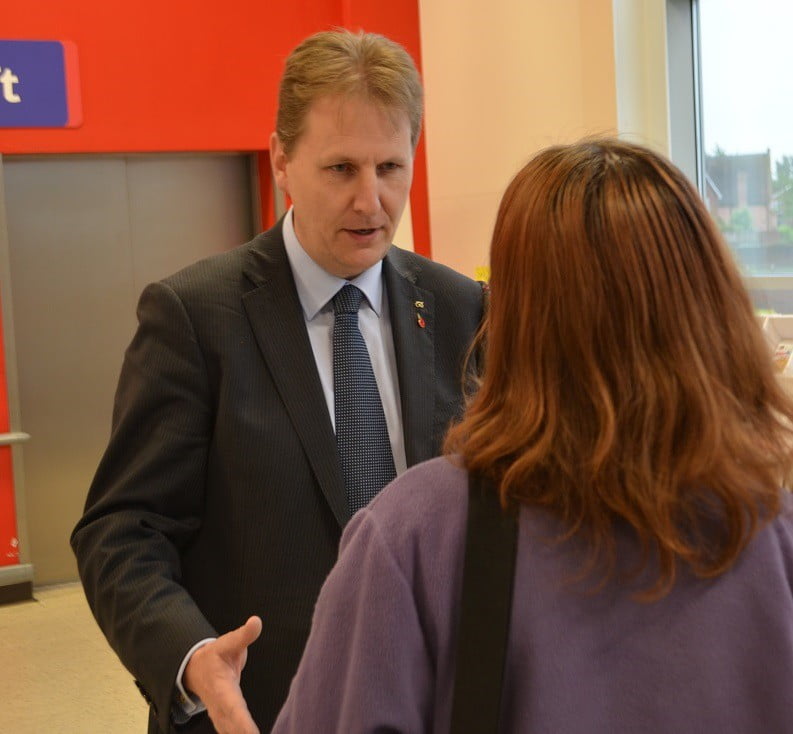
point(747, 134)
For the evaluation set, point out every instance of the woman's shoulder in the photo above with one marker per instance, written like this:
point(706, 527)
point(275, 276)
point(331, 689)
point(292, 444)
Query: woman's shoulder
point(424, 509)
point(427, 489)
point(768, 558)
point(782, 525)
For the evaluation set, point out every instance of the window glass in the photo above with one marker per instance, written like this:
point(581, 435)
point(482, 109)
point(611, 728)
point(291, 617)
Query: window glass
point(746, 66)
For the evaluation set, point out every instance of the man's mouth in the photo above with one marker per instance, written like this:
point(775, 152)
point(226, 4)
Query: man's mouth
point(362, 232)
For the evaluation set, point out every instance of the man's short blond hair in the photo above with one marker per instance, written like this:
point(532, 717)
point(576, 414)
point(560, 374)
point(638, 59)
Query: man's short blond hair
point(340, 62)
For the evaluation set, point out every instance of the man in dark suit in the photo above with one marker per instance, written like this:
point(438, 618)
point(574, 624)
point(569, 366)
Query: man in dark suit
point(223, 492)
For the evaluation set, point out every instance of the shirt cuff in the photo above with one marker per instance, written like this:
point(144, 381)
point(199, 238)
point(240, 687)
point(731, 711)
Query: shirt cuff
point(185, 706)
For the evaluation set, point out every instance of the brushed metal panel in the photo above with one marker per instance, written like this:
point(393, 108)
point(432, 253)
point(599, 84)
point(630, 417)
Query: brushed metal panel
point(86, 233)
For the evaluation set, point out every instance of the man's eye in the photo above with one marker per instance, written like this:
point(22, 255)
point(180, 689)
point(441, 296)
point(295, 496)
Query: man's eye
point(340, 168)
point(388, 166)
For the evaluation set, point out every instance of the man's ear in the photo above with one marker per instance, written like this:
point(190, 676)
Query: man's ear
point(278, 162)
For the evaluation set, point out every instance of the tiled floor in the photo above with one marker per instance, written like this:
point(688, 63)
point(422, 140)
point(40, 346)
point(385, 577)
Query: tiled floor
point(58, 675)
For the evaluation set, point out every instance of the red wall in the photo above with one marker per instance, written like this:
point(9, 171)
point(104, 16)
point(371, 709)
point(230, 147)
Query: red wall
point(174, 75)
point(9, 544)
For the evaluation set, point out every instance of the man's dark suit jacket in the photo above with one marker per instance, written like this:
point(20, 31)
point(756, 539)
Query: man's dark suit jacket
point(220, 494)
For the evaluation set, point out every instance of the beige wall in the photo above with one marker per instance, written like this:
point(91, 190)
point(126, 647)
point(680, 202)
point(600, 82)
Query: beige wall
point(641, 72)
point(504, 79)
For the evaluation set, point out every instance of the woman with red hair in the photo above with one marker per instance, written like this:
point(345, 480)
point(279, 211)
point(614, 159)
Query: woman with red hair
point(629, 416)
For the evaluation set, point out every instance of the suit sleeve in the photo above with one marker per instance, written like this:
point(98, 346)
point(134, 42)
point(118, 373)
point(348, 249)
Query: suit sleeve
point(145, 502)
point(366, 666)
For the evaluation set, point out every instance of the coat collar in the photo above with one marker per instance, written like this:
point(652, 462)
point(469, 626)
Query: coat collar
point(276, 317)
point(413, 326)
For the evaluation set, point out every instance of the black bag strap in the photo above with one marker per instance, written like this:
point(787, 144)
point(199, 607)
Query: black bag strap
point(488, 576)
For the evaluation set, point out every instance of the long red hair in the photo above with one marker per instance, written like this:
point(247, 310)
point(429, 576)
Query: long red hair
point(625, 375)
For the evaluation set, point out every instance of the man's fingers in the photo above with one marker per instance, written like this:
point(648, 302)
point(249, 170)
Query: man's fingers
point(231, 715)
point(242, 722)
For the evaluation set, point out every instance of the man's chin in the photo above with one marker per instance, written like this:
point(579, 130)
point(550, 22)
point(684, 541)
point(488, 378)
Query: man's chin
point(362, 260)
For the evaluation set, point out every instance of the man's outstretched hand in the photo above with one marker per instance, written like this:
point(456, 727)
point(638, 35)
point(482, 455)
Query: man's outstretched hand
point(213, 674)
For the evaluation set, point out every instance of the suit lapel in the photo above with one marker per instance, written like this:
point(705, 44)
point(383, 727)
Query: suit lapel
point(415, 355)
point(277, 321)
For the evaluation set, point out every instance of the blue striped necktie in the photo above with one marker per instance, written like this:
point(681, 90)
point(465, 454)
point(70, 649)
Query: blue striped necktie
point(361, 434)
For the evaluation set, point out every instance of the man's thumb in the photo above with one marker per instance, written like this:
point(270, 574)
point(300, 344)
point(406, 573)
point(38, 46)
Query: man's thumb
point(250, 631)
point(253, 627)
point(238, 640)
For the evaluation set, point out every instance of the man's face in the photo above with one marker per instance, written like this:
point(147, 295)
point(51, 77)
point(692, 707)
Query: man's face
point(348, 176)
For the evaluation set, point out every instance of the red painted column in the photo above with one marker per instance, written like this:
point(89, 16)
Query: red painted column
point(9, 541)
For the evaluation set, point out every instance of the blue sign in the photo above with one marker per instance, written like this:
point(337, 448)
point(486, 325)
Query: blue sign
point(39, 84)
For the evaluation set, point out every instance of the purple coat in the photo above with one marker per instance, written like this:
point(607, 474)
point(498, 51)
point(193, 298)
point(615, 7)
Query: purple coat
point(712, 656)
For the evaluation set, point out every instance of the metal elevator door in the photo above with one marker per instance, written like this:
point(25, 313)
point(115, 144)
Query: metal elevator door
point(85, 235)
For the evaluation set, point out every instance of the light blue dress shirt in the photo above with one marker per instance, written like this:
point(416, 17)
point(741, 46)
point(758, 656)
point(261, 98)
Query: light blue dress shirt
point(315, 289)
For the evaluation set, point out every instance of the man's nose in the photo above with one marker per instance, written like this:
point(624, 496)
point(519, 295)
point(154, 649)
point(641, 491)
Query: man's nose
point(367, 193)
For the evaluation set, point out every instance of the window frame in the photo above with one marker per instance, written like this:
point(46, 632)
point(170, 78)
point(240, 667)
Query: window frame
point(684, 85)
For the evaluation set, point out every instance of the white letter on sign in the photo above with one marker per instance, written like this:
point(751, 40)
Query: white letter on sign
point(8, 79)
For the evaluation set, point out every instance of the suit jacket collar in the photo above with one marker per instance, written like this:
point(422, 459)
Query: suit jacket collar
point(413, 327)
point(277, 321)
point(276, 317)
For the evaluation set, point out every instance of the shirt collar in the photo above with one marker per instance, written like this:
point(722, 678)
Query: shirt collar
point(315, 286)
